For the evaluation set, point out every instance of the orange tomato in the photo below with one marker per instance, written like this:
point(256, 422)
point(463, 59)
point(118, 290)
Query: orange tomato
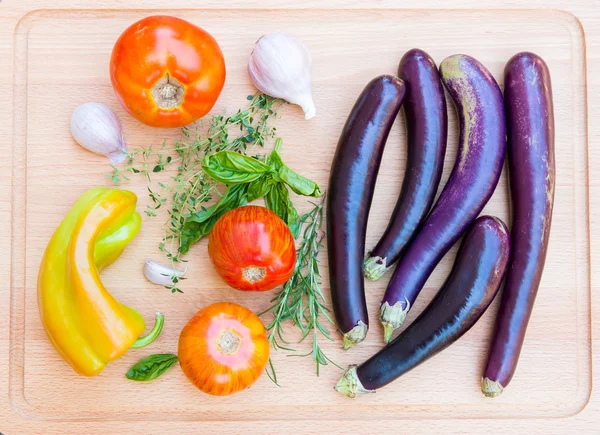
point(223, 349)
point(167, 72)
point(252, 249)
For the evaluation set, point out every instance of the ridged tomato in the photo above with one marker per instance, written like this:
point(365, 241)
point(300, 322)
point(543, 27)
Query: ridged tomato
point(167, 72)
point(252, 249)
point(223, 349)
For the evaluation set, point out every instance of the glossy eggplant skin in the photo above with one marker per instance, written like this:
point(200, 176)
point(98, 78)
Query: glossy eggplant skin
point(530, 119)
point(465, 295)
point(351, 185)
point(426, 130)
point(481, 152)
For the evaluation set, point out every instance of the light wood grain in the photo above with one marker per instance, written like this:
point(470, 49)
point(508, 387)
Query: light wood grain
point(57, 59)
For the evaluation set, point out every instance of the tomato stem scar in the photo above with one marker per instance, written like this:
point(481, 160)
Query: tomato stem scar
point(167, 92)
point(229, 342)
point(254, 273)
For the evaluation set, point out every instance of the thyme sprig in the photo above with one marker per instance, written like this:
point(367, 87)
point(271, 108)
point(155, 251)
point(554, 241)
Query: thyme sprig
point(190, 188)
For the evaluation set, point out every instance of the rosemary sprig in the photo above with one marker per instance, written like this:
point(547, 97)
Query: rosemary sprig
point(301, 300)
point(190, 189)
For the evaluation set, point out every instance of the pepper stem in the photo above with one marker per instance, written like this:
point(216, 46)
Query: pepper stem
point(152, 335)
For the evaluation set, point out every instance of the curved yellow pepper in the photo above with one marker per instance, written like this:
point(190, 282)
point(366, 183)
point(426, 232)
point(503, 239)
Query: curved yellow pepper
point(86, 325)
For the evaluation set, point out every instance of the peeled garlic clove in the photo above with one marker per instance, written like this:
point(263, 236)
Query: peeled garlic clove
point(159, 274)
point(280, 66)
point(96, 128)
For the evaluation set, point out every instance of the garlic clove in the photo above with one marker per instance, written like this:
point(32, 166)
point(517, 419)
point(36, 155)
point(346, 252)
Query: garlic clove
point(307, 104)
point(118, 156)
point(159, 274)
point(96, 128)
point(280, 66)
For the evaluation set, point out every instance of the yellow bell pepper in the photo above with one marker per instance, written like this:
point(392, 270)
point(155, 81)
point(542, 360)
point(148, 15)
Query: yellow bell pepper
point(86, 325)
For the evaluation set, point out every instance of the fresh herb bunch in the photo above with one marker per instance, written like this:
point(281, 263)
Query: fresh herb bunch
point(247, 179)
point(301, 300)
point(203, 164)
point(190, 189)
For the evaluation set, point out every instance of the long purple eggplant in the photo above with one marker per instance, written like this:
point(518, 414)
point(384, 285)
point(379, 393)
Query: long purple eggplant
point(353, 174)
point(467, 292)
point(530, 119)
point(426, 130)
point(481, 152)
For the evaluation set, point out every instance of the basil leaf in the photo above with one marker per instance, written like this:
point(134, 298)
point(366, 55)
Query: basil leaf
point(229, 167)
point(201, 223)
point(259, 188)
point(299, 184)
point(278, 200)
point(151, 367)
point(235, 196)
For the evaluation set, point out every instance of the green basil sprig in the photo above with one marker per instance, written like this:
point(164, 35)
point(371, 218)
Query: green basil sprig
point(199, 224)
point(278, 200)
point(151, 367)
point(248, 178)
point(229, 167)
point(299, 184)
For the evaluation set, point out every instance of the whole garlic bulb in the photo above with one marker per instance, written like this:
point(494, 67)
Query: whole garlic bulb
point(96, 127)
point(280, 66)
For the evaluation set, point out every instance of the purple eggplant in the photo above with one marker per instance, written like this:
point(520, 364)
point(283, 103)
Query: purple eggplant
point(353, 174)
point(467, 292)
point(530, 120)
point(426, 130)
point(481, 152)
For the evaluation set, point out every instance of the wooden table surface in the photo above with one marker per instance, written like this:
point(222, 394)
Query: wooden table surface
point(14, 421)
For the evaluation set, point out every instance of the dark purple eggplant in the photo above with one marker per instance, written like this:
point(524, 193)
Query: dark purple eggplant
point(467, 292)
point(353, 174)
point(530, 120)
point(481, 152)
point(426, 129)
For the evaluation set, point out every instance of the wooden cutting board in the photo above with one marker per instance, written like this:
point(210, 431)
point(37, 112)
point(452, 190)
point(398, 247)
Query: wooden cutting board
point(55, 56)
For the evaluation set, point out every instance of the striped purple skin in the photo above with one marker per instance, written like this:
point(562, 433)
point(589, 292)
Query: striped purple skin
point(426, 130)
point(351, 185)
point(530, 119)
point(467, 292)
point(482, 148)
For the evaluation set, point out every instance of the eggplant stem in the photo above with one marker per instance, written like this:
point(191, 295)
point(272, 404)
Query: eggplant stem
point(491, 388)
point(349, 384)
point(153, 334)
point(375, 268)
point(392, 317)
point(355, 335)
point(388, 331)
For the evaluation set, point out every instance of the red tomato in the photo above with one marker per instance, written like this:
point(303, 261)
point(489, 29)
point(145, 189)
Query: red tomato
point(167, 72)
point(223, 349)
point(252, 249)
